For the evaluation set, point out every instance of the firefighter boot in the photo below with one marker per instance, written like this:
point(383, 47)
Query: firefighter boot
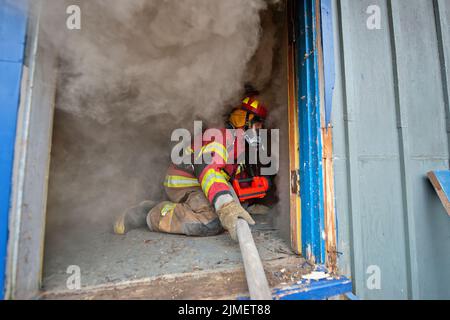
point(133, 218)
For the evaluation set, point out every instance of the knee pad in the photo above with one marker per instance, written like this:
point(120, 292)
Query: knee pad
point(198, 229)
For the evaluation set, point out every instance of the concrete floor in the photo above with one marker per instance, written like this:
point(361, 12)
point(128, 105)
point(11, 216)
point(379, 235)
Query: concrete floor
point(105, 258)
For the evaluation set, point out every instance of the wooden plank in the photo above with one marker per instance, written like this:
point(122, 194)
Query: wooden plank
point(327, 152)
point(330, 210)
point(294, 161)
point(441, 183)
point(227, 283)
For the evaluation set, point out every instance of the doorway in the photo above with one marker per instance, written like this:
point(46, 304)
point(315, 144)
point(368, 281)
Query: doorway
point(82, 199)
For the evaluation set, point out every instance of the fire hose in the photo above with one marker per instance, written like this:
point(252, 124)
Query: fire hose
point(254, 271)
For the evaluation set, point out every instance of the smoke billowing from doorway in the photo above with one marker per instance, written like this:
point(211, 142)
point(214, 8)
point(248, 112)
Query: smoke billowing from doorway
point(136, 71)
point(136, 59)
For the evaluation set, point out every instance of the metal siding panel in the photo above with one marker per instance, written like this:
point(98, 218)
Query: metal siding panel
point(432, 234)
point(420, 84)
point(344, 222)
point(371, 132)
point(389, 131)
point(382, 227)
point(442, 14)
point(422, 113)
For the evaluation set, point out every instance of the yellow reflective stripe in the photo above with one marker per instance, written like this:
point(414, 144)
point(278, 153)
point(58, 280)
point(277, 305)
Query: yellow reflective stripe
point(246, 100)
point(255, 104)
point(180, 182)
point(168, 208)
point(165, 223)
point(215, 147)
point(181, 178)
point(211, 177)
point(226, 175)
point(188, 151)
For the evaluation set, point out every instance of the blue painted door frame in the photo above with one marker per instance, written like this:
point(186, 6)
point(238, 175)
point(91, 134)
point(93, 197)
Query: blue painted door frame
point(13, 25)
point(311, 178)
point(328, 57)
point(313, 115)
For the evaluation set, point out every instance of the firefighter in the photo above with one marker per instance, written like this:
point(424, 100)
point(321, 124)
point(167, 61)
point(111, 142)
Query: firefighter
point(201, 202)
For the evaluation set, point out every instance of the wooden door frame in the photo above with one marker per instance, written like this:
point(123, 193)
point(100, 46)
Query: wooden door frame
point(310, 86)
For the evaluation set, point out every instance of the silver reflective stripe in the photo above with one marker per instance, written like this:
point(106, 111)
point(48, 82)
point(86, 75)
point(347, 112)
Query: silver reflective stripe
point(180, 182)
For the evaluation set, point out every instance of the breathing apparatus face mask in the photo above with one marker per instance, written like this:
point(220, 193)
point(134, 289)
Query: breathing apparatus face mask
point(252, 137)
point(252, 131)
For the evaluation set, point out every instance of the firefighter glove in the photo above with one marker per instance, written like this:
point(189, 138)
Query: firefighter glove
point(229, 215)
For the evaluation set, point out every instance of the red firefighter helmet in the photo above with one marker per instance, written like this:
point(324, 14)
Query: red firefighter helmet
point(252, 105)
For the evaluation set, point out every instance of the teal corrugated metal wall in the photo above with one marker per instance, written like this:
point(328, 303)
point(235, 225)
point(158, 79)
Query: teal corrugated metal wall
point(391, 127)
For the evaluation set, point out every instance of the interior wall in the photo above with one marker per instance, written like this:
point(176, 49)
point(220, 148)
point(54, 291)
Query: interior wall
point(118, 100)
point(279, 90)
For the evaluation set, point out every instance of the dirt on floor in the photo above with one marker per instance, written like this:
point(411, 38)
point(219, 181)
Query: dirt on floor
point(104, 258)
point(223, 283)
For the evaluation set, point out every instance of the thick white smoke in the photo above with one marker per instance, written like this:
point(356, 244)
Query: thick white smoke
point(139, 58)
point(137, 70)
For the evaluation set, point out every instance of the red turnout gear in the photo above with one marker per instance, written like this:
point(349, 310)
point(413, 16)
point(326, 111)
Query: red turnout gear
point(213, 175)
